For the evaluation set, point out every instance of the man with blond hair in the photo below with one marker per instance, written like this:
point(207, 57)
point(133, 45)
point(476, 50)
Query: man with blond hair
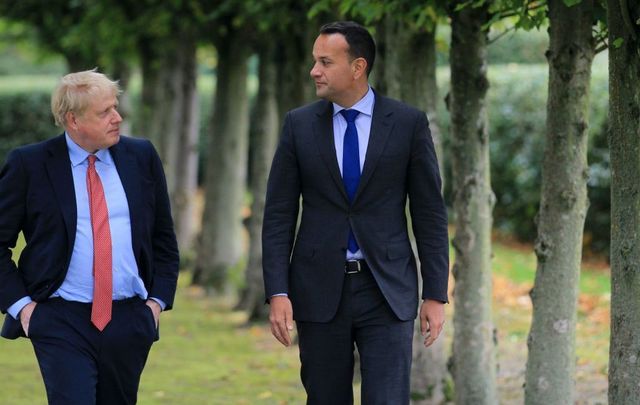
point(100, 261)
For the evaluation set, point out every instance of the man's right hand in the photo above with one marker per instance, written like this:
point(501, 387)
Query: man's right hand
point(281, 318)
point(25, 316)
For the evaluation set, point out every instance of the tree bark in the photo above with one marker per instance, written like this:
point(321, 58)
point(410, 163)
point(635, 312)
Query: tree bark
point(409, 73)
point(185, 146)
point(624, 142)
point(220, 245)
point(121, 71)
point(474, 352)
point(263, 138)
point(152, 113)
point(78, 60)
point(379, 76)
point(170, 118)
point(295, 87)
point(563, 207)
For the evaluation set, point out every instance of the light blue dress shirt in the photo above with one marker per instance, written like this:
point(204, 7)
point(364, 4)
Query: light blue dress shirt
point(363, 125)
point(78, 283)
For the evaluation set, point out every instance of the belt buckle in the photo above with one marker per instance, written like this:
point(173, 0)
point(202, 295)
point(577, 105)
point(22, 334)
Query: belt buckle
point(358, 266)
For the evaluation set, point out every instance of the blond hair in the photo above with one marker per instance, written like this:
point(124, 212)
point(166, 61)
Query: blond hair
point(76, 90)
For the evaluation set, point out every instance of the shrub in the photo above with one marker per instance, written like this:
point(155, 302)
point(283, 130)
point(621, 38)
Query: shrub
point(24, 118)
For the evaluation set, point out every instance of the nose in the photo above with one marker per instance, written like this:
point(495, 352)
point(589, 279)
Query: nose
point(315, 72)
point(117, 117)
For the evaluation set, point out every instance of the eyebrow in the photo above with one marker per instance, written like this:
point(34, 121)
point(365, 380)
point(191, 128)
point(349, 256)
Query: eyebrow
point(105, 110)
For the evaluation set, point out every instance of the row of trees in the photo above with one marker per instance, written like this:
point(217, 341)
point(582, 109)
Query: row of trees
point(162, 39)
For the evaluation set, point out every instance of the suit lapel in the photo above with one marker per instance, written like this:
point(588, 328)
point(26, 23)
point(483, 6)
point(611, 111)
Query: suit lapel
point(323, 131)
point(128, 172)
point(58, 167)
point(381, 125)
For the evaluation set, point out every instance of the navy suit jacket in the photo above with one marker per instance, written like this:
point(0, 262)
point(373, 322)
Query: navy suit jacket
point(308, 264)
point(37, 197)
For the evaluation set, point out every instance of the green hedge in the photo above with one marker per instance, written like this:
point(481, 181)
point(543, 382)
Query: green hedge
point(517, 114)
point(24, 118)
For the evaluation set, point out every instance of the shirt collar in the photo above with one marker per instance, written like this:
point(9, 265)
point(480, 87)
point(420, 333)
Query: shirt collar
point(364, 105)
point(77, 155)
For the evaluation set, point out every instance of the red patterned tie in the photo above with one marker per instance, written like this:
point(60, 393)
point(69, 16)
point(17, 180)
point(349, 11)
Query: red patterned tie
point(102, 278)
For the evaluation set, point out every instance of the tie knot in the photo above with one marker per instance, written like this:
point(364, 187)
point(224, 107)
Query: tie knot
point(92, 159)
point(350, 115)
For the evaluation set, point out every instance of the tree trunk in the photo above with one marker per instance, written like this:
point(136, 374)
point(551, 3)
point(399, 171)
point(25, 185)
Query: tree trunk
point(170, 118)
point(78, 60)
point(410, 76)
point(474, 358)
point(429, 372)
point(121, 71)
point(184, 149)
point(379, 77)
point(624, 141)
point(295, 87)
point(153, 112)
point(220, 245)
point(410, 73)
point(563, 207)
point(263, 138)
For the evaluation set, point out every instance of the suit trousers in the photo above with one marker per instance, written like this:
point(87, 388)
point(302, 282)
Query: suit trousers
point(81, 365)
point(363, 320)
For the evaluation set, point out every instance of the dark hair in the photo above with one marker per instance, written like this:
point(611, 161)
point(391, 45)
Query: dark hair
point(360, 42)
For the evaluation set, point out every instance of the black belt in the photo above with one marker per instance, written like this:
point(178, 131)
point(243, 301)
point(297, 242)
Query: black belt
point(355, 266)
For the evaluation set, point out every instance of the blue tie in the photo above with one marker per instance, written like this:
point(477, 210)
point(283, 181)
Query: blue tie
point(351, 164)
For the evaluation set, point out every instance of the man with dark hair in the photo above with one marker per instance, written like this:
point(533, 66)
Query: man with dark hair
point(360, 42)
point(349, 276)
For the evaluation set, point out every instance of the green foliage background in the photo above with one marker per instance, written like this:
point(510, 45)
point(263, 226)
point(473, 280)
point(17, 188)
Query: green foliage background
point(517, 119)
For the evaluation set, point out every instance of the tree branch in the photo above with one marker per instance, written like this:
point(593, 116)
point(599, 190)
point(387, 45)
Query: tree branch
point(512, 13)
point(502, 34)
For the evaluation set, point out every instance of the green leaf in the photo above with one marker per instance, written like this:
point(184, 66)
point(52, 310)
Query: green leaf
point(617, 43)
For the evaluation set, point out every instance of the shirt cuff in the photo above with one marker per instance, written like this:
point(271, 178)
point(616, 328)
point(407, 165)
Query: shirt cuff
point(160, 302)
point(280, 295)
point(14, 310)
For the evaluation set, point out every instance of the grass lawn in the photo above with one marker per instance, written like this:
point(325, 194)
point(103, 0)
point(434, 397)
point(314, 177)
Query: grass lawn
point(208, 355)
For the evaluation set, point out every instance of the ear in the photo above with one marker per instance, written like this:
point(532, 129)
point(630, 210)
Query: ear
point(71, 120)
point(359, 68)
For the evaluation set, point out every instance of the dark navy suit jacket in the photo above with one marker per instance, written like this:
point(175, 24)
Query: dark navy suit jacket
point(308, 263)
point(37, 197)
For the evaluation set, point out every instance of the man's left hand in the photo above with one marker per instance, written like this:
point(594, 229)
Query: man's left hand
point(156, 309)
point(431, 320)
